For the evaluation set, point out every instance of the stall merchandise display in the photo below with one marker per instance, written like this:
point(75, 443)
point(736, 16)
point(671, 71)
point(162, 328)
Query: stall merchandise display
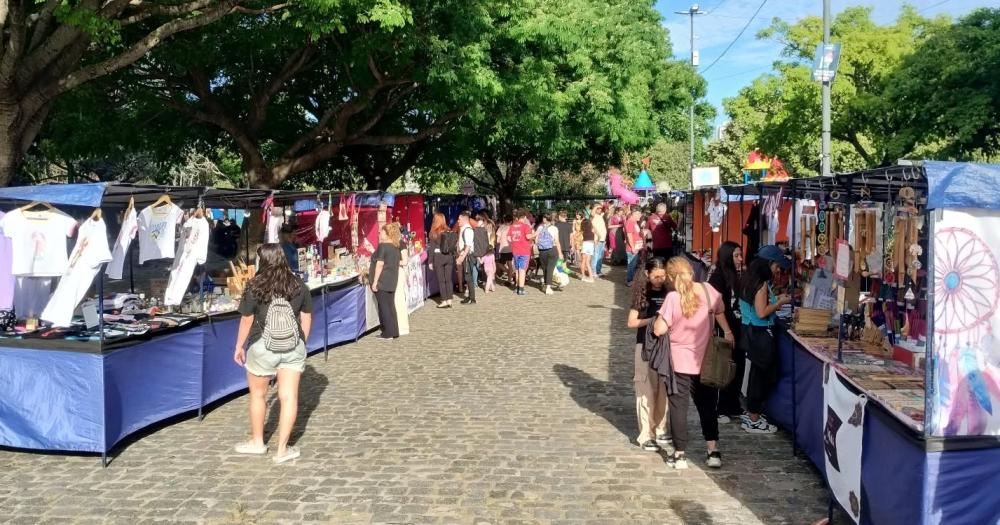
point(90, 253)
point(128, 231)
point(157, 226)
point(38, 240)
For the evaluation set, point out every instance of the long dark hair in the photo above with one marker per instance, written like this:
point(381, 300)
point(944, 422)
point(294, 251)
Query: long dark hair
point(725, 264)
point(758, 274)
point(641, 288)
point(274, 277)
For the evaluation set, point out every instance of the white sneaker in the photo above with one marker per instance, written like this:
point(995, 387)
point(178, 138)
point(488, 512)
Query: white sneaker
point(714, 459)
point(678, 462)
point(724, 419)
point(548, 290)
point(761, 426)
point(247, 447)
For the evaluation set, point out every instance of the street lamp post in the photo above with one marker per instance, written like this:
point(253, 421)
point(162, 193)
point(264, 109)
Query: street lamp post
point(691, 12)
point(826, 96)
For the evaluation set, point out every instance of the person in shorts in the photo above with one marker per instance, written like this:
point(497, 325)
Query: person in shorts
point(587, 251)
point(274, 280)
point(505, 257)
point(520, 237)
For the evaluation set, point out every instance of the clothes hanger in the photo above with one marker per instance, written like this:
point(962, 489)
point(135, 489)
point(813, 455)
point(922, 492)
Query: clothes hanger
point(34, 204)
point(199, 212)
point(163, 200)
point(96, 215)
point(131, 205)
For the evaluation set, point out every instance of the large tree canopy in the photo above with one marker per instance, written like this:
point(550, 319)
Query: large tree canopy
point(581, 81)
point(50, 47)
point(918, 87)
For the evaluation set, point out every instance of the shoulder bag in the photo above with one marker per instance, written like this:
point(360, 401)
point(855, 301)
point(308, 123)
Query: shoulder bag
point(717, 368)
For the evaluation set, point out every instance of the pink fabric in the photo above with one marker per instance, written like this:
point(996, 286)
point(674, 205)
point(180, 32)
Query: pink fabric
point(615, 222)
point(689, 336)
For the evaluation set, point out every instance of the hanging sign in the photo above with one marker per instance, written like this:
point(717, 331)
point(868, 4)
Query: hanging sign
point(826, 62)
point(701, 177)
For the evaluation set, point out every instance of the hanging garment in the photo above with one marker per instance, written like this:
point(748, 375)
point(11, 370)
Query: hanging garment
point(194, 251)
point(90, 253)
point(158, 232)
point(322, 225)
point(716, 212)
point(31, 294)
point(804, 209)
point(130, 227)
point(38, 241)
point(6, 271)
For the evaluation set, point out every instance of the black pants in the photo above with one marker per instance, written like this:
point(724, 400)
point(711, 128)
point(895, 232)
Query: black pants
point(689, 386)
point(547, 259)
point(387, 313)
point(729, 397)
point(468, 266)
point(762, 358)
point(444, 268)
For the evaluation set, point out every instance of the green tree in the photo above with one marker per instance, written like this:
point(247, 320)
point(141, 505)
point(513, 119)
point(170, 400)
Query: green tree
point(948, 91)
point(581, 81)
point(780, 112)
point(48, 48)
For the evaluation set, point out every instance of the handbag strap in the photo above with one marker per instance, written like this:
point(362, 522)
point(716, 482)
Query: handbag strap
point(708, 298)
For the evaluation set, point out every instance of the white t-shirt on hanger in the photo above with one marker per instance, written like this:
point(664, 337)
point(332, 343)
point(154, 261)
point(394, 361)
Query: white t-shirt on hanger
point(90, 253)
point(38, 240)
point(274, 224)
point(157, 232)
point(194, 251)
point(322, 225)
point(130, 227)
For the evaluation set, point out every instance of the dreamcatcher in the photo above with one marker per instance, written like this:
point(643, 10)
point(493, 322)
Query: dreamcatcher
point(967, 290)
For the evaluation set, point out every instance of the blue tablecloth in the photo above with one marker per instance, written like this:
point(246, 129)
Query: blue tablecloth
point(902, 482)
point(88, 402)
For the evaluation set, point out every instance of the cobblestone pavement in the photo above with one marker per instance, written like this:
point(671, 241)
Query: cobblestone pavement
point(516, 410)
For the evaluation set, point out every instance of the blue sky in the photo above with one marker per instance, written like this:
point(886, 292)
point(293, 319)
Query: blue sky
point(749, 57)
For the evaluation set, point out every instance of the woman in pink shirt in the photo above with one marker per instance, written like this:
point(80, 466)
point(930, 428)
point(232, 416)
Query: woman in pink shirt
point(688, 315)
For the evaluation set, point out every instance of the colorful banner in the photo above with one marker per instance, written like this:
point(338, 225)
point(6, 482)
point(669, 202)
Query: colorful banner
point(843, 434)
point(966, 388)
point(415, 284)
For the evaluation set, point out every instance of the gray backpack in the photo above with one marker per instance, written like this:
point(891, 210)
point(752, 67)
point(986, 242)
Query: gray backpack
point(281, 328)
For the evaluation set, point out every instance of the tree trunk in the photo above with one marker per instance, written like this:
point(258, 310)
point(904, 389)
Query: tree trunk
point(11, 155)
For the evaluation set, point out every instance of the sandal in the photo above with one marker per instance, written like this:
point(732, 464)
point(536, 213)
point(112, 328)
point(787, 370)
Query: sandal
point(290, 454)
point(247, 447)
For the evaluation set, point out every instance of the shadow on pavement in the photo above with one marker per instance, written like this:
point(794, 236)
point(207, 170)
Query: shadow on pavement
point(690, 512)
point(311, 387)
point(602, 398)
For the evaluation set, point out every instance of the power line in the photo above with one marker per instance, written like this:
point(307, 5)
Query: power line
point(731, 44)
point(717, 6)
point(933, 6)
point(741, 73)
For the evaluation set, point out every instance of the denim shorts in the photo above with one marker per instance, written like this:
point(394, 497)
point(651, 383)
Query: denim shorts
point(588, 248)
point(262, 362)
point(521, 261)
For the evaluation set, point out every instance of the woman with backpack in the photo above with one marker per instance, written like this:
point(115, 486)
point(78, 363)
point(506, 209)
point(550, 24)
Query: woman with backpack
point(383, 275)
point(549, 251)
point(441, 245)
point(276, 312)
point(687, 318)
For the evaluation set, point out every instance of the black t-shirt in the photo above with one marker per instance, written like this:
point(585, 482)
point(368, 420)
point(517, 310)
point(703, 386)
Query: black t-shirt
point(565, 231)
point(249, 305)
point(389, 255)
point(227, 239)
point(653, 304)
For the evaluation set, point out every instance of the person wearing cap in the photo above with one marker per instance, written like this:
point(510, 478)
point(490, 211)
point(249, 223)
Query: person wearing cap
point(758, 306)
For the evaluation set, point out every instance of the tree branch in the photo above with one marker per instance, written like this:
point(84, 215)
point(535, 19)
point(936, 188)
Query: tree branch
point(401, 140)
point(15, 41)
point(140, 48)
point(261, 101)
point(42, 24)
point(853, 140)
point(145, 10)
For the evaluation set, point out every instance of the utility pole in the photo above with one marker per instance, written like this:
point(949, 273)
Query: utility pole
point(694, 63)
point(826, 95)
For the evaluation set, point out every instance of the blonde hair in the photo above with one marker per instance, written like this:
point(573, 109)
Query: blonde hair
point(681, 275)
point(392, 232)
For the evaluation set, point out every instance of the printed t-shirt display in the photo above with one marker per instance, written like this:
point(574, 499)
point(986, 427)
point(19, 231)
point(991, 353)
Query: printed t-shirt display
point(194, 251)
point(38, 240)
point(689, 336)
point(6, 272)
point(158, 231)
point(322, 225)
point(517, 234)
point(130, 226)
point(226, 238)
point(90, 253)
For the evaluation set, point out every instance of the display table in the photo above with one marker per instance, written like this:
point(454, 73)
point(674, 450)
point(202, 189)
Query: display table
point(88, 398)
point(905, 478)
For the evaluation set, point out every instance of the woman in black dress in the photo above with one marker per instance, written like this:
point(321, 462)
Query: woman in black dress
point(382, 277)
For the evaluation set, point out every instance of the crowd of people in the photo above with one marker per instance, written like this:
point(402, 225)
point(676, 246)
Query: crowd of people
point(679, 308)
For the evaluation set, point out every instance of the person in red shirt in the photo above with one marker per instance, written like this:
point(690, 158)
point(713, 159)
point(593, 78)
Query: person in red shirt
point(662, 226)
point(633, 243)
point(520, 237)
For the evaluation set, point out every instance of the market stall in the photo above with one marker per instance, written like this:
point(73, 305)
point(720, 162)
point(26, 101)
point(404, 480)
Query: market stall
point(889, 372)
point(82, 378)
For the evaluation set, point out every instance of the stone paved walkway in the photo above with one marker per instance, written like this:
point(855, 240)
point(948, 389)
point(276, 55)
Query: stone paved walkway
point(517, 410)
